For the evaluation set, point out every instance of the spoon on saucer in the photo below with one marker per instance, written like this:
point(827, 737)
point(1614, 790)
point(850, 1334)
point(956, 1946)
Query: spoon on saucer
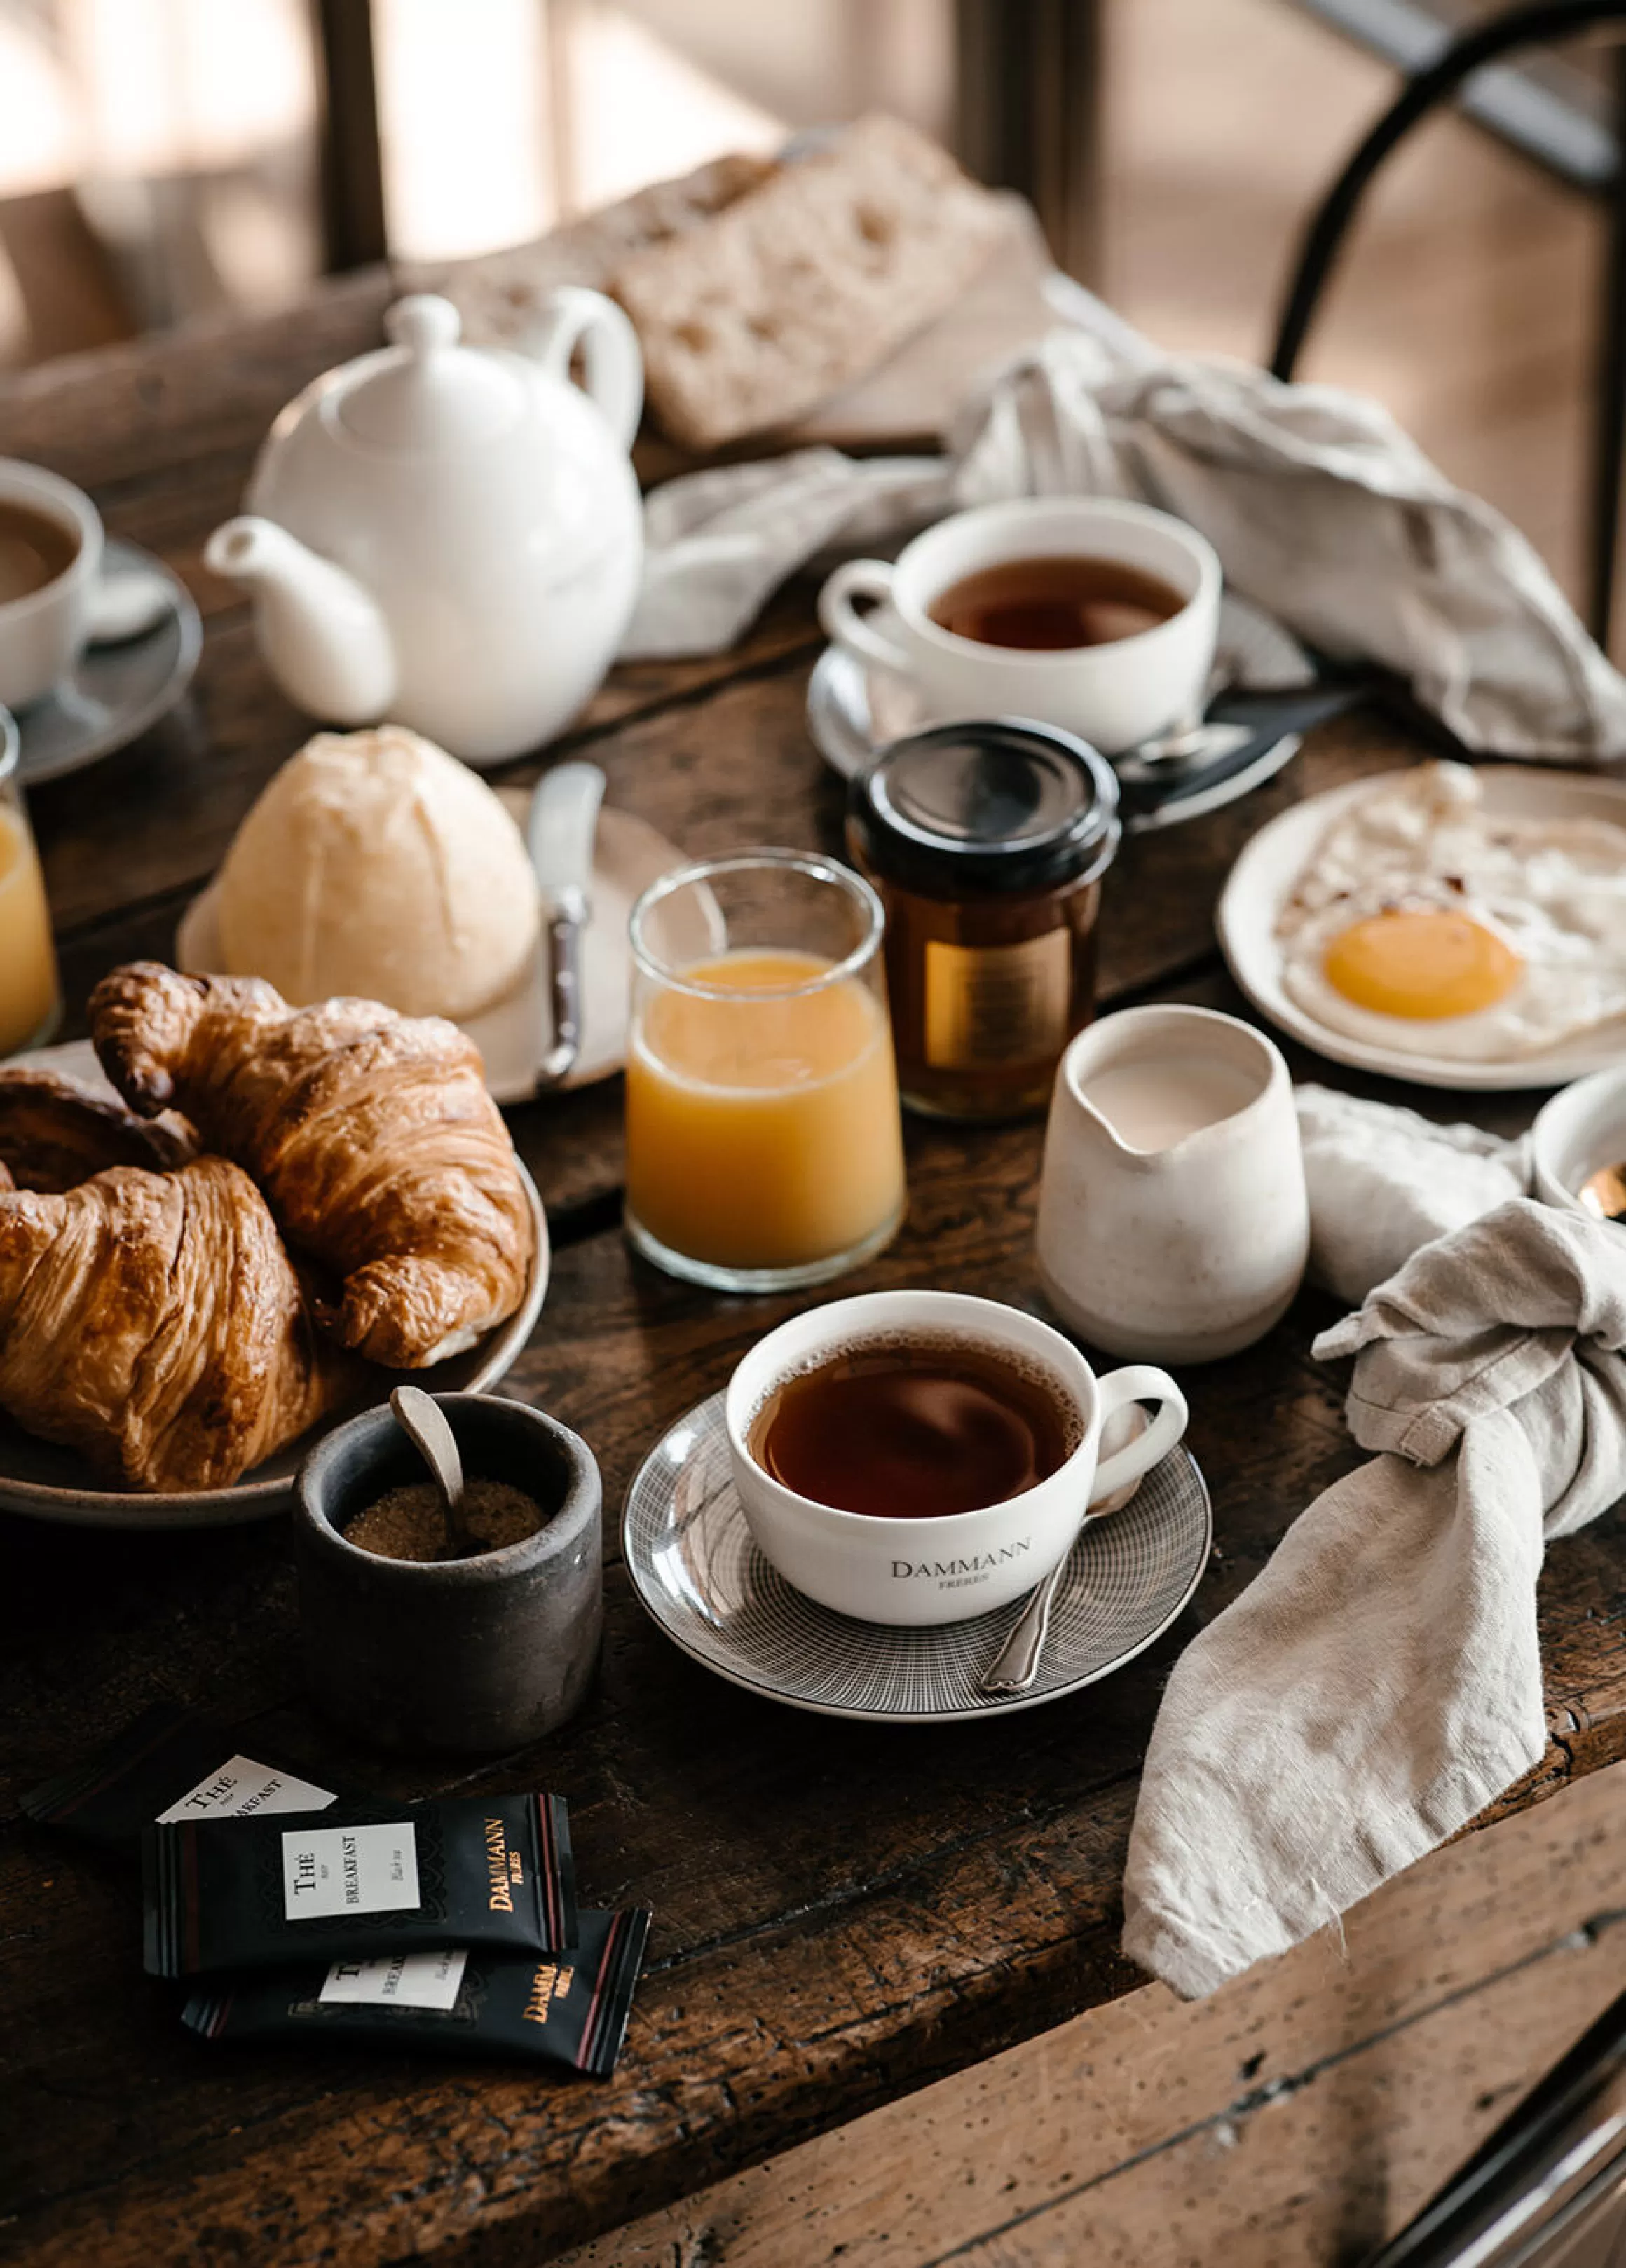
point(424, 1422)
point(1016, 1665)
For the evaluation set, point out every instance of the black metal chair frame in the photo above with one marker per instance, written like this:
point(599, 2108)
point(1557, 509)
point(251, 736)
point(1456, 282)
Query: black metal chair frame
point(1541, 25)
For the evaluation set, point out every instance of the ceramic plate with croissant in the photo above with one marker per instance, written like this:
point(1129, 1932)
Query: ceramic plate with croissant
point(282, 1210)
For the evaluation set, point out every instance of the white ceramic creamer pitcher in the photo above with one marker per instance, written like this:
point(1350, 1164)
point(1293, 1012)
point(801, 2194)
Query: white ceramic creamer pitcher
point(1172, 1220)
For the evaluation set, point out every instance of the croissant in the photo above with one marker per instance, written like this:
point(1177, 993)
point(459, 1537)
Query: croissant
point(372, 1134)
point(154, 1322)
point(55, 1132)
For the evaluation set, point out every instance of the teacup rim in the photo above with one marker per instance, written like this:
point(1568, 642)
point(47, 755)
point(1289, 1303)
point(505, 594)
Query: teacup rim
point(1209, 575)
point(873, 1523)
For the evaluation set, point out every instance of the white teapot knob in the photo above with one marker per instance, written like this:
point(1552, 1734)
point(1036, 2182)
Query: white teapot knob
point(423, 323)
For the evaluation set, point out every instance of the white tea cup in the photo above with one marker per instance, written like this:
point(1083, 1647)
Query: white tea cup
point(913, 1571)
point(1113, 694)
point(43, 629)
point(1173, 1216)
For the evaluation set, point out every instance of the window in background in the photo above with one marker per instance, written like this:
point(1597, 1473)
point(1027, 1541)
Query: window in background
point(1467, 296)
point(508, 115)
point(156, 160)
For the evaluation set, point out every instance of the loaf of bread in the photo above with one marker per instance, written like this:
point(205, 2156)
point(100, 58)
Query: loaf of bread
point(805, 281)
point(501, 295)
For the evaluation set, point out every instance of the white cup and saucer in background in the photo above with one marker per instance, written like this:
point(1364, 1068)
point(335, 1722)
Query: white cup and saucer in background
point(1173, 1221)
point(1581, 1133)
point(911, 1571)
point(1113, 694)
point(50, 561)
point(97, 639)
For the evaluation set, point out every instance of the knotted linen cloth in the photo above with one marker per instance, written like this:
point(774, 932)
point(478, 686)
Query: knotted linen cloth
point(1324, 514)
point(1380, 1682)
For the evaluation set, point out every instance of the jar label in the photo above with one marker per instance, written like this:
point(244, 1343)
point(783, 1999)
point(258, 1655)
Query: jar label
point(988, 1006)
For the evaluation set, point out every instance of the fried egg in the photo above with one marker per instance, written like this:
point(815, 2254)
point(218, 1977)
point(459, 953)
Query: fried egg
point(1425, 926)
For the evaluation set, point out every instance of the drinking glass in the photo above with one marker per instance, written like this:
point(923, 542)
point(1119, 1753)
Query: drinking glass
point(30, 1001)
point(765, 1148)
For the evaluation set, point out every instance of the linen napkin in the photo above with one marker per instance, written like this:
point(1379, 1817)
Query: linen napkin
point(1383, 1180)
point(1323, 513)
point(1380, 1682)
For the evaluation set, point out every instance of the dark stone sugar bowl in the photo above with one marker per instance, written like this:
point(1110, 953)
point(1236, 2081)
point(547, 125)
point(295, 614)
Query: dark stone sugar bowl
point(470, 1656)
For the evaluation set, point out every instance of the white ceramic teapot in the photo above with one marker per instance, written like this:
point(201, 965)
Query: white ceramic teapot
point(450, 536)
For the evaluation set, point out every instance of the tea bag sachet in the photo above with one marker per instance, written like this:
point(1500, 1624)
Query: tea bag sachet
point(570, 2008)
point(358, 1879)
point(168, 1764)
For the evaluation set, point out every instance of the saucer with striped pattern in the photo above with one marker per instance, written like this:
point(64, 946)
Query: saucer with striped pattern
point(697, 1571)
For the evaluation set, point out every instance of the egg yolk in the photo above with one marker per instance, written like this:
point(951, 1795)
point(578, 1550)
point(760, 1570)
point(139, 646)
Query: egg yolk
point(1421, 965)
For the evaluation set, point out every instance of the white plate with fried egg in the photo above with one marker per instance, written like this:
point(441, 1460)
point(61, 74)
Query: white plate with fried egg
point(1456, 926)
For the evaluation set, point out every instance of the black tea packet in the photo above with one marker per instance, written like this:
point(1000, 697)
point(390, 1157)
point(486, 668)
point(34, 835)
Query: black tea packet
point(169, 1764)
point(570, 2008)
point(347, 1883)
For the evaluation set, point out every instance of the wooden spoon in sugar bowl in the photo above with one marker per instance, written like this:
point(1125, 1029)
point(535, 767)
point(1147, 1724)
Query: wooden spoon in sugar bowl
point(424, 1422)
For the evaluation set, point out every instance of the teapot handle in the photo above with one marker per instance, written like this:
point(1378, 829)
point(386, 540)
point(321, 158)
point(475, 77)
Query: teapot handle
point(609, 345)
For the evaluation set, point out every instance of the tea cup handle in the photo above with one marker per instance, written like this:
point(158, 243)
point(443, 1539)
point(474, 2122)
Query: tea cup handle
point(872, 578)
point(1139, 1381)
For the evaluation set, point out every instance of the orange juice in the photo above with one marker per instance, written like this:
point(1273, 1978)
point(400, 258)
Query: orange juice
point(28, 961)
point(762, 1132)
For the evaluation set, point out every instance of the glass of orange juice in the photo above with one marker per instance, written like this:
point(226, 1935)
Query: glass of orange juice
point(764, 1149)
point(30, 1002)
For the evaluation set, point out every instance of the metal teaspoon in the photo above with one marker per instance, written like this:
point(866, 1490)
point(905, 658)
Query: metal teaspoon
point(1016, 1665)
point(424, 1422)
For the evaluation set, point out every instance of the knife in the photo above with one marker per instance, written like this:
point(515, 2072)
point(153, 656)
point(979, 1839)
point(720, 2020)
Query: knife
point(562, 823)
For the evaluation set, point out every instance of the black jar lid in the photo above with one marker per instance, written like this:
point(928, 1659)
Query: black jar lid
point(995, 805)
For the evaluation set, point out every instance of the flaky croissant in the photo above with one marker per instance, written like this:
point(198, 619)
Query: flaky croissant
point(372, 1134)
point(55, 1132)
point(154, 1322)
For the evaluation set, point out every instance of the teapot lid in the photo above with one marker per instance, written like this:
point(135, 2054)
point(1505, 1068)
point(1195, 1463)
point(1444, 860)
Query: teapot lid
point(424, 393)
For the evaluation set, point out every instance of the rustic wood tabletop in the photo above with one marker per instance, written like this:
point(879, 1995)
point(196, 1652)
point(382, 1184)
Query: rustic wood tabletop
point(841, 1914)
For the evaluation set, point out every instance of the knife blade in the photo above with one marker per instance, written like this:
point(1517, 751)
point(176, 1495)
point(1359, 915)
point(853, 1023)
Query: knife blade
point(561, 829)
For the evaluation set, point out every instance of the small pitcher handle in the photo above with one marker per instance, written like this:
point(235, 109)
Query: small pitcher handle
point(615, 373)
point(1138, 1382)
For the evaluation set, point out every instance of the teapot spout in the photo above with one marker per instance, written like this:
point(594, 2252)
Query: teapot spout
point(323, 638)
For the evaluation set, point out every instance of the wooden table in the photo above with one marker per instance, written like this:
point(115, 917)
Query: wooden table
point(841, 1914)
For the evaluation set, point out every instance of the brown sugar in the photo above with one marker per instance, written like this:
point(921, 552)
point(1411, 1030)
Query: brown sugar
point(409, 1523)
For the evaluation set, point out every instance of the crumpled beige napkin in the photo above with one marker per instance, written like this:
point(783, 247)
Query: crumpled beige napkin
point(1382, 1180)
point(1323, 513)
point(1380, 1682)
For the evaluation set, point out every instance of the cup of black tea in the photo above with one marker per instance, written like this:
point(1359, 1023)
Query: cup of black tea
point(912, 1457)
point(1082, 611)
point(50, 556)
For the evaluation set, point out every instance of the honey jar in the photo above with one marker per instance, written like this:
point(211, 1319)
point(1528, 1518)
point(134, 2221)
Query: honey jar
point(987, 843)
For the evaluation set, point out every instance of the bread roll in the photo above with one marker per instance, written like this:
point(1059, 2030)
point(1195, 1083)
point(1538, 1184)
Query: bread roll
point(375, 865)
